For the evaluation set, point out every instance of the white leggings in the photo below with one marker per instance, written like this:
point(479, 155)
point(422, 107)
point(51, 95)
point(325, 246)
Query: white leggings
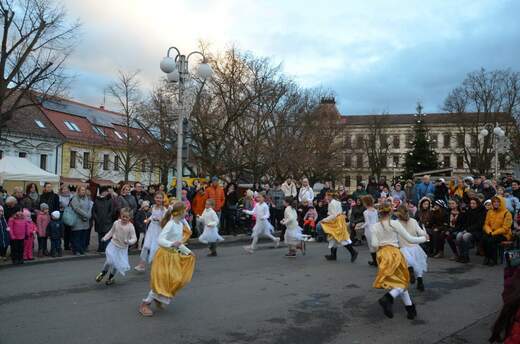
point(255, 239)
point(405, 296)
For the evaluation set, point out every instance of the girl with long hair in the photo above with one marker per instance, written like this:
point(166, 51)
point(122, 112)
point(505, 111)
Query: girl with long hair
point(173, 264)
point(150, 244)
point(392, 274)
point(293, 234)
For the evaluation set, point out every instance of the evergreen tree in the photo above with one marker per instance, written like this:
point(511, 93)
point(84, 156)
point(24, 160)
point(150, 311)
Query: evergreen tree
point(421, 157)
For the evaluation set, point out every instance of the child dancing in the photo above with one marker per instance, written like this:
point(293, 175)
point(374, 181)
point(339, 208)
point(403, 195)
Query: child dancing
point(210, 221)
point(293, 234)
point(414, 254)
point(121, 236)
point(173, 265)
point(150, 244)
point(392, 273)
point(262, 226)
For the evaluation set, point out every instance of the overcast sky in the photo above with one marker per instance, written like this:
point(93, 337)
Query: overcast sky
point(377, 55)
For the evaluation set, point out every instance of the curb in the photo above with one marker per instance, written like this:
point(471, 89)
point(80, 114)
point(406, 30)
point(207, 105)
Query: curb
point(230, 240)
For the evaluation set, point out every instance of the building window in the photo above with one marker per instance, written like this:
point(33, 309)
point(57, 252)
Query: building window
point(348, 141)
point(347, 181)
point(446, 138)
point(460, 162)
point(86, 160)
point(1, 154)
point(383, 140)
point(99, 130)
point(72, 163)
point(348, 161)
point(395, 159)
point(397, 141)
point(473, 161)
point(359, 142)
point(72, 126)
point(43, 161)
point(143, 166)
point(461, 140)
point(105, 162)
point(434, 140)
point(118, 134)
point(384, 161)
point(39, 123)
point(359, 160)
point(116, 163)
point(409, 141)
point(359, 179)
point(474, 142)
point(447, 161)
point(22, 155)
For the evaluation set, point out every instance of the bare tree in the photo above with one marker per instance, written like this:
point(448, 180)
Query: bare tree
point(37, 39)
point(131, 151)
point(158, 116)
point(376, 143)
point(493, 97)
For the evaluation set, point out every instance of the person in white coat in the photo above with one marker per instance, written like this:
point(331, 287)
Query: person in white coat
point(262, 226)
point(414, 254)
point(371, 217)
point(306, 193)
point(335, 227)
point(210, 221)
point(293, 234)
point(289, 188)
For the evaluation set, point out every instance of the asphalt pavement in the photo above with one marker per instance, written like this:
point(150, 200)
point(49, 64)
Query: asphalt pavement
point(242, 298)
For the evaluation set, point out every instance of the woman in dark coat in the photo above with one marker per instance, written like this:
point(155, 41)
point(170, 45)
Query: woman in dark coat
point(103, 213)
point(472, 229)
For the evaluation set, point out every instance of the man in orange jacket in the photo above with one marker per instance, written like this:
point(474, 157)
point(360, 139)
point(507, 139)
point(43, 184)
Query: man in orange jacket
point(216, 193)
point(497, 228)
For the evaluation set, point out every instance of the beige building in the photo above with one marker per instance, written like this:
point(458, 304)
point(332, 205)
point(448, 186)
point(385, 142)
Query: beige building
point(451, 135)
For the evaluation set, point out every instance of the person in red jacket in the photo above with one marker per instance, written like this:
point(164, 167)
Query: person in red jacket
point(216, 193)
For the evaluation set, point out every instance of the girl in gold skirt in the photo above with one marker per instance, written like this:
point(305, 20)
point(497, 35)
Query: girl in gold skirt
point(392, 272)
point(173, 264)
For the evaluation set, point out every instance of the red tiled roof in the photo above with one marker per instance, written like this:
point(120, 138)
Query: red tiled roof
point(87, 134)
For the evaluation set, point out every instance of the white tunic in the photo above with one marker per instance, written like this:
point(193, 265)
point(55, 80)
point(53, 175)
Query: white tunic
point(306, 194)
point(414, 254)
point(210, 221)
point(388, 232)
point(371, 219)
point(293, 233)
point(171, 233)
point(334, 209)
point(150, 244)
point(262, 225)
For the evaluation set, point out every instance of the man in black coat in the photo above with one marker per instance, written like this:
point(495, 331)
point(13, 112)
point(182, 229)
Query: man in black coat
point(50, 198)
point(103, 213)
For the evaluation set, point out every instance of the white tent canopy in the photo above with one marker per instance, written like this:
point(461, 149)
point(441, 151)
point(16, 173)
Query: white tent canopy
point(21, 169)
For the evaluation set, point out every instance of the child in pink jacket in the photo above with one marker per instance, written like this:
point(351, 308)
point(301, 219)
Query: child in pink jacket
point(18, 231)
point(28, 244)
point(42, 220)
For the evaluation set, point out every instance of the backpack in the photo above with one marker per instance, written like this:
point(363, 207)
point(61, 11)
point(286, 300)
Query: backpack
point(69, 216)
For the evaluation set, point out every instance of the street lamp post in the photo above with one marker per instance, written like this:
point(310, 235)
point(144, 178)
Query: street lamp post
point(176, 69)
point(498, 134)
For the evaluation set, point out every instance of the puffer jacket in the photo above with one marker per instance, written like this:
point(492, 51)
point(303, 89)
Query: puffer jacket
point(498, 222)
point(83, 209)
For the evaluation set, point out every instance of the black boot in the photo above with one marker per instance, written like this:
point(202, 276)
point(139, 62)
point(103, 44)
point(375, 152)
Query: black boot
point(411, 312)
point(374, 260)
point(412, 275)
point(386, 303)
point(212, 250)
point(420, 284)
point(333, 254)
point(353, 253)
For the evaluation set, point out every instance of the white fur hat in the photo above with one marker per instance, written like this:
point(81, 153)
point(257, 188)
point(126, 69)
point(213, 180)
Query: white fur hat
point(55, 215)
